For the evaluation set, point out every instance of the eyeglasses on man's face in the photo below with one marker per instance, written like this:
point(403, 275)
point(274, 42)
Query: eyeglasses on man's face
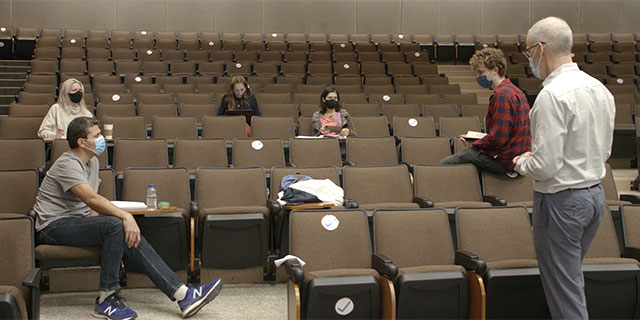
point(528, 53)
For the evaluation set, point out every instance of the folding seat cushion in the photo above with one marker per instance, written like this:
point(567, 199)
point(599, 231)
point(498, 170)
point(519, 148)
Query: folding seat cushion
point(22, 154)
point(502, 239)
point(314, 152)
point(272, 127)
point(606, 272)
point(139, 153)
point(370, 126)
point(234, 222)
point(196, 153)
point(266, 153)
point(515, 191)
point(413, 126)
point(362, 184)
point(371, 151)
point(227, 127)
point(20, 127)
point(441, 184)
point(423, 150)
point(428, 284)
point(341, 276)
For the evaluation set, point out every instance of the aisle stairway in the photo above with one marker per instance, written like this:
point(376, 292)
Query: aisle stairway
point(462, 75)
point(13, 74)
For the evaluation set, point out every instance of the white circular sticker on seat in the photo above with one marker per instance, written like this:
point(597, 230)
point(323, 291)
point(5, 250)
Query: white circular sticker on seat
point(210, 43)
point(257, 145)
point(149, 52)
point(344, 306)
point(238, 65)
point(144, 33)
point(342, 45)
point(73, 41)
point(401, 36)
point(413, 122)
point(417, 54)
point(275, 35)
point(137, 79)
point(386, 98)
point(1, 44)
point(3, 29)
point(330, 222)
point(484, 45)
point(115, 97)
point(619, 81)
point(346, 66)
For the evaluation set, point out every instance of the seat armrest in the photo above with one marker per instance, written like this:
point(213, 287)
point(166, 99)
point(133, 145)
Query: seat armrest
point(631, 252)
point(292, 164)
point(274, 206)
point(410, 166)
point(470, 262)
point(384, 265)
point(32, 279)
point(350, 204)
point(348, 163)
point(32, 214)
point(294, 271)
point(423, 202)
point(195, 212)
point(495, 201)
point(633, 198)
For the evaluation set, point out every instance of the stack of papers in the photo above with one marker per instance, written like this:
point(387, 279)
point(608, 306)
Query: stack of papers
point(474, 135)
point(130, 205)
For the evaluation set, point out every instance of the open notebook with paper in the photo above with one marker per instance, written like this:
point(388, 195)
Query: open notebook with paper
point(474, 135)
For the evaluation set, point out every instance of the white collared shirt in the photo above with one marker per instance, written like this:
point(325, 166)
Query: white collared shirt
point(572, 125)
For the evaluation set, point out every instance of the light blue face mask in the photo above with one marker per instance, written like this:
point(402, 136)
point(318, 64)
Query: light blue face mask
point(534, 69)
point(101, 145)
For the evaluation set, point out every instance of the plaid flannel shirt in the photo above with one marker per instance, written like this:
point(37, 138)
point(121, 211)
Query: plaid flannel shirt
point(507, 125)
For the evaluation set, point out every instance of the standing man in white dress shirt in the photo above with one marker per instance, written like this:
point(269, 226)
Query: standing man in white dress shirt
point(572, 131)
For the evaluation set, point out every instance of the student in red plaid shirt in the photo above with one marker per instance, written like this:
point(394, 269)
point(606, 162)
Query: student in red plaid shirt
point(507, 121)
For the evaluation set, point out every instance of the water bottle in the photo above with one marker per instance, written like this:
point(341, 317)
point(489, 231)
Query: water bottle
point(152, 197)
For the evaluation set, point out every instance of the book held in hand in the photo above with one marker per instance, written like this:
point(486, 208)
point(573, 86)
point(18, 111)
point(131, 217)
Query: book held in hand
point(474, 135)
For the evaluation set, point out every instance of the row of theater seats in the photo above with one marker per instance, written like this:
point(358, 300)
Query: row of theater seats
point(440, 46)
point(237, 235)
point(46, 53)
point(239, 152)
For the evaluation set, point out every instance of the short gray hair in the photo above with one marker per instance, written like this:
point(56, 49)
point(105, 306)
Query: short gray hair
point(555, 33)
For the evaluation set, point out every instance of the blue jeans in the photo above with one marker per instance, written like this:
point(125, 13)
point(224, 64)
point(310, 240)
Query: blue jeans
point(108, 231)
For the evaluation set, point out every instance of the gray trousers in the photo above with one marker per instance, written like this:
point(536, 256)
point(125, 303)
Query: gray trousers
point(564, 224)
point(479, 159)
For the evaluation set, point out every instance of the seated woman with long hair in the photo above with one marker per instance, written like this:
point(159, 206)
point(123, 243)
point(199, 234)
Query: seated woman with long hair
point(238, 97)
point(331, 119)
point(70, 105)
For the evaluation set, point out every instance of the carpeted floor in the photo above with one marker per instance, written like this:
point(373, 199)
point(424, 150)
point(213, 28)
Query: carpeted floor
point(236, 301)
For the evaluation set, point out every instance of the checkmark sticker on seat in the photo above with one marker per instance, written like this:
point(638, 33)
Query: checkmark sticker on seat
point(344, 306)
point(330, 222)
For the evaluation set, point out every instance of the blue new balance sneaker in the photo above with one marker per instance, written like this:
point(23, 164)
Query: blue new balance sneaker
point(113, 308)
point(198, 297)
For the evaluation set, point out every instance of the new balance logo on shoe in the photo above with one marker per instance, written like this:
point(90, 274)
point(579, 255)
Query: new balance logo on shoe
point(197, 292)
point(110, 310)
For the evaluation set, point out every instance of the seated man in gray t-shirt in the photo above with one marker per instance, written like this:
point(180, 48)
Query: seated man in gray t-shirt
point(71, 212)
